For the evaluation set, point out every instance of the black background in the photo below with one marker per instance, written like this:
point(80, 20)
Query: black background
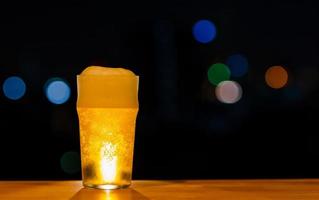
point(182, 130)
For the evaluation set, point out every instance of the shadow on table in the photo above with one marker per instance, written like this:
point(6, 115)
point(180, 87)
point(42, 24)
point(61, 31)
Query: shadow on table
point(120, 194)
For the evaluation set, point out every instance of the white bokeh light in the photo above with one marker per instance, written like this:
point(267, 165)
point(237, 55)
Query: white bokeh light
point(228, 92)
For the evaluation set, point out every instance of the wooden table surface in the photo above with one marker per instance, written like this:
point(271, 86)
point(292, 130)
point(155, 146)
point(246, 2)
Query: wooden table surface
point(166, 190)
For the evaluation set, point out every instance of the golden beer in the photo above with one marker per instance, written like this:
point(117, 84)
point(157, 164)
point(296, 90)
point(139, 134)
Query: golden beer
point(107, 106)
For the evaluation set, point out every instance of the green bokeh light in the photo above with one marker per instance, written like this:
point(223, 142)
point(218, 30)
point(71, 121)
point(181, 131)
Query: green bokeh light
point(217, 73)
point(70, 162)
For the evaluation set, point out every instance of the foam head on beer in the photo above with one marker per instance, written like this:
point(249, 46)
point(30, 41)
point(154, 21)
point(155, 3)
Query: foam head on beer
point(107, 87)
point(98, 70)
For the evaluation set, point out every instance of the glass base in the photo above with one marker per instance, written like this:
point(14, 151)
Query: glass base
point(105, 187)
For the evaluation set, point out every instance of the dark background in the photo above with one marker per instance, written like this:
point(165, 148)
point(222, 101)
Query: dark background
point(182, 130)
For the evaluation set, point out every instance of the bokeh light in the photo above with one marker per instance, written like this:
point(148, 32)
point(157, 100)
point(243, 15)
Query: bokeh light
point(217, 125)
point(276, 77)
point(70, 162)
point(292, 93)
point(307, 79)
point(14, 88)
point(204, 31)
point(217, 73)
point(57, 91)
point(228, 92)
point(238, 65)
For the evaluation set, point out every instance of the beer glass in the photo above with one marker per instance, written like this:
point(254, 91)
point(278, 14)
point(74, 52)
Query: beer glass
point(107, 107)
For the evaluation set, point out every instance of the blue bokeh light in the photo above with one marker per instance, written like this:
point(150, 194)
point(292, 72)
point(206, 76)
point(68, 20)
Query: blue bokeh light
point(292, 93)
point(14, 88)
point(57, 91)
point(238, 65)
point(204, 31)
point(218, 125)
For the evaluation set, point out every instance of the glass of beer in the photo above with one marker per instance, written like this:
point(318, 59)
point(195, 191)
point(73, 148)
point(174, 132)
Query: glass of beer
point(107, 107)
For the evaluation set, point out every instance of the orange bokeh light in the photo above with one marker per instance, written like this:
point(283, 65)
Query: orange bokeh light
point(276, 77)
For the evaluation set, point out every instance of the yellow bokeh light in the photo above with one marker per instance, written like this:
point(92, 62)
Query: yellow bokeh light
point(276, 77)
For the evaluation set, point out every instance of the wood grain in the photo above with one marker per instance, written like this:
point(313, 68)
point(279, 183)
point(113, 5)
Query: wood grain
point(162, 190)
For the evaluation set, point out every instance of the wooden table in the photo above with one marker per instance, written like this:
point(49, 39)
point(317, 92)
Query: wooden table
point(166, 190)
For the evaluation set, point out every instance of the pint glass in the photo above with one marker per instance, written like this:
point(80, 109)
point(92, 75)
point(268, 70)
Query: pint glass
point(107, 107)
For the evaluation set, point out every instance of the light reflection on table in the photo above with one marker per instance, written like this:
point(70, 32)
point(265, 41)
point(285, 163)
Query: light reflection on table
point(119, 194)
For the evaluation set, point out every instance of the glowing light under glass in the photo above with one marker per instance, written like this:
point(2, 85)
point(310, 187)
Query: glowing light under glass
point(228, 92)
point(217, 73)
point(204, 31)
point(70, 162)
point(238, 65)
point(108, 162)
point(276, 77)
point(14, 88)
point(57, 91)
